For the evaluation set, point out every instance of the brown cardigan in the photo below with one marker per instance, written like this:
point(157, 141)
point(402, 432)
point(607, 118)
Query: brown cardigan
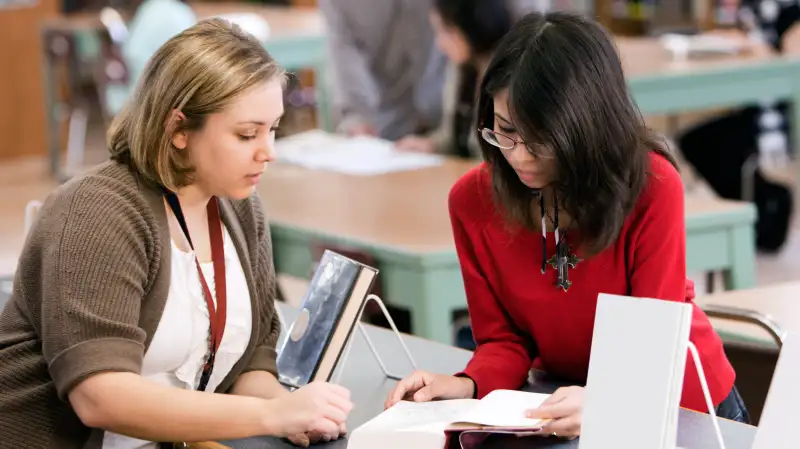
point(89, 291)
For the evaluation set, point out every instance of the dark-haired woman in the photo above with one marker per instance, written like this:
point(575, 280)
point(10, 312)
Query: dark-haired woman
point(466, 32)
point(565, 149)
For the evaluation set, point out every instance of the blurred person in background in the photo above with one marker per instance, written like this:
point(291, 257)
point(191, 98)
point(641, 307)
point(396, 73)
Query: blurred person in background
point(153, 24)
point(467, 32)
point(386, 70)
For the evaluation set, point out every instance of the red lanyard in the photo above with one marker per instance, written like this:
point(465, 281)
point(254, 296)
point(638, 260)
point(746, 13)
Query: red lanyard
point(216, 315)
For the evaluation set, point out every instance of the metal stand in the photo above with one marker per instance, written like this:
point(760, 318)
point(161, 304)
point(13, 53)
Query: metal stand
point(704, 385)
point(372, 347)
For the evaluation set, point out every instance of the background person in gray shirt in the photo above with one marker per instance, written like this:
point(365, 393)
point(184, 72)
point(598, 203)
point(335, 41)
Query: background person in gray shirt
point(387, 72)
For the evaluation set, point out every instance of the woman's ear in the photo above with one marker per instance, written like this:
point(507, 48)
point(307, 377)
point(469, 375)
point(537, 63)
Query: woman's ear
point(179, 137)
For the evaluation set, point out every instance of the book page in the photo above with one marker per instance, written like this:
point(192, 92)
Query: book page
point(506, 408)
point(434, 416)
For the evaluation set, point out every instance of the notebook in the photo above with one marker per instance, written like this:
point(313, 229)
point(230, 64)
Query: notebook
point(438, 424)
point(776, 428)
point(636, 370)
point(328, 314)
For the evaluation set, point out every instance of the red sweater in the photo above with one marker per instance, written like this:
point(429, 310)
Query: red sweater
point(521, 319)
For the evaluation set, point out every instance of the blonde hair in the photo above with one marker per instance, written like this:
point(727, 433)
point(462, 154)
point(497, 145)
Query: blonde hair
point(197, 72)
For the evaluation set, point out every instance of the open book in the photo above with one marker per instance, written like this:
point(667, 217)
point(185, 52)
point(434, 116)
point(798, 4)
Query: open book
point(436, 424)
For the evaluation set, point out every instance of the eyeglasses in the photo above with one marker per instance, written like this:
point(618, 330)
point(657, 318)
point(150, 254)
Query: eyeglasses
point(505, 142)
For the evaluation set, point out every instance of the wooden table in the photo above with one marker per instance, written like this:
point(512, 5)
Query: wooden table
point(778, 304)
point(402, 220)
point(297, 41)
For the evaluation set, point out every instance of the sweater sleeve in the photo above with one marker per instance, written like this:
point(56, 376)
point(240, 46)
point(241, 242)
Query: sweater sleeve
point(658, 271)
point(658, 268)
point(264, 358)
point(95, 266)
point(503, 355)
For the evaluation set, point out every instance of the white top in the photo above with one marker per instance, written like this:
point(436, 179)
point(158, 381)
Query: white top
point(180, 345)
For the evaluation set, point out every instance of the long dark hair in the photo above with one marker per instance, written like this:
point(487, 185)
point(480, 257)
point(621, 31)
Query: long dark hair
point(483, 24)
point(567, 91)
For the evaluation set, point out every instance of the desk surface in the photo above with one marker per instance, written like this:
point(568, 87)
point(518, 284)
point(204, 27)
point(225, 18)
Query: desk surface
point(369, 389)
point(645, 57)
point(284, 22)
point(406, 211)
point(780, 303)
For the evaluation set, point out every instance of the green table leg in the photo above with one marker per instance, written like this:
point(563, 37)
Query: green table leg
point(431, 294)
point(323, 97)
point(742, 272)
point(794, 118)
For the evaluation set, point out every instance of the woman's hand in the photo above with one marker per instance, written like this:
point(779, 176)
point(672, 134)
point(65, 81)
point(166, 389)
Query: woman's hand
point(564, 410)
point(307, 439)
point(317, 410)
point(422, 386)
point(416, 144)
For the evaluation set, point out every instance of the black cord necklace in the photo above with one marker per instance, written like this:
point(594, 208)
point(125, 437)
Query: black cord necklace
point(563, 259)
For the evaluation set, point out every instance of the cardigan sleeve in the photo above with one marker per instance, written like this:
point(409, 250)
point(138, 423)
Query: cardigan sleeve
point(96, 247)
point(265, 356)
point(442, 136)
point(502, 358)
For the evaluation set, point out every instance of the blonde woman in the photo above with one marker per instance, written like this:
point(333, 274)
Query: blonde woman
point(142, 309)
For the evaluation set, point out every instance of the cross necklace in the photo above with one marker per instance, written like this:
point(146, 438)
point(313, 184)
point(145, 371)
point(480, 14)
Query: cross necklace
point(563, 259)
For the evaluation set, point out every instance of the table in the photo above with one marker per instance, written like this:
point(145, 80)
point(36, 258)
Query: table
point(297, 41)
point(401, 219)
point(369, 388)
point(777, 304)
point(663, 85)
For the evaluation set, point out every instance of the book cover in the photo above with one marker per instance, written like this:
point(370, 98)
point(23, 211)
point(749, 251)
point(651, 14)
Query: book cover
point(328, 314)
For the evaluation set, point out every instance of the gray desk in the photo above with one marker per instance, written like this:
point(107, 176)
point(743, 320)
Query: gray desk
point(369, 389)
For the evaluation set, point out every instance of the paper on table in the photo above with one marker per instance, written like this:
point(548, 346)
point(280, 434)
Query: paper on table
point(436, 415)
point(501, 408)
point(355, 156)
point(505, 408)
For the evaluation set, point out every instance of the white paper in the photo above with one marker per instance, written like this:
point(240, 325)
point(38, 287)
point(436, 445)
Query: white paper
point(360, 156)
point(434, 415)
point(501, 408)
point(506, 408)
